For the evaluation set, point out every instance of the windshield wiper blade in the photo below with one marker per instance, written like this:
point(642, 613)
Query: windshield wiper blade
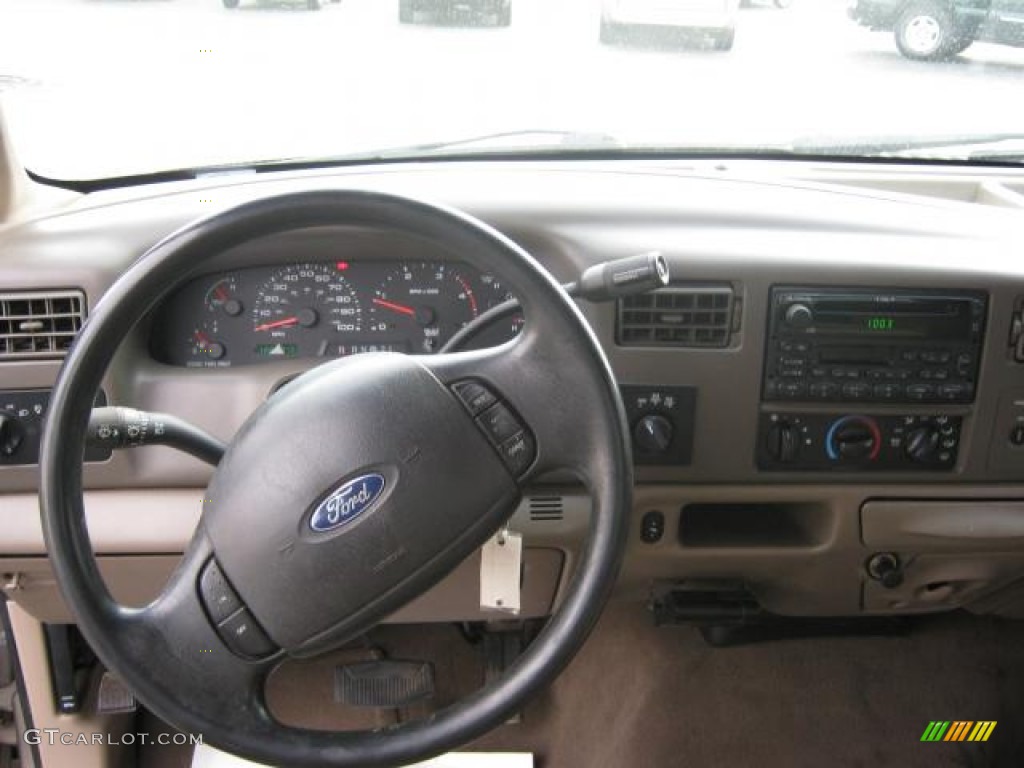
point(951, 146)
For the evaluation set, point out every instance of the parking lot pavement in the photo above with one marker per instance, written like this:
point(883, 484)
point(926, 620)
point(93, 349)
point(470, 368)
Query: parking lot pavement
point(187, 81)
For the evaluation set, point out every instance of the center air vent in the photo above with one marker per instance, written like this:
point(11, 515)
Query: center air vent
point(546, 508)
point(39, 325)
point(680, 316)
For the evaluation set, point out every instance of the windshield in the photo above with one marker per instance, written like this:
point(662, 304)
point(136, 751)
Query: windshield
point(106, 88)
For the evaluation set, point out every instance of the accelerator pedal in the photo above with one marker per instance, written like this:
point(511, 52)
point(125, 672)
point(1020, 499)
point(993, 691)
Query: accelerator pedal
point(387, 683)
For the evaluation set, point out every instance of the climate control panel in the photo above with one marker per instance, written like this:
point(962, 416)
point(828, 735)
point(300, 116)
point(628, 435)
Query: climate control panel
point(857, 441)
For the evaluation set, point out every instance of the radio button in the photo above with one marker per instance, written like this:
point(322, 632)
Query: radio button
point(823, 390)
point(954, 391)
point(857, 391)
point(935, 356)
point(920, 391)
point(887, 391)
point(791, 389)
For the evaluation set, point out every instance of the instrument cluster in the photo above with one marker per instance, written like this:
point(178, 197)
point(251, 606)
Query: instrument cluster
point(325, 310)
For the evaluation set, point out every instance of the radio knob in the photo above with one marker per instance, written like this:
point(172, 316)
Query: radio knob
point(922, 443)
point(799, 315)
point(853, 439)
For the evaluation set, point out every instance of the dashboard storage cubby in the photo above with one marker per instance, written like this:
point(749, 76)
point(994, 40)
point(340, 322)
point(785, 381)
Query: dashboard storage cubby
point(753, 525)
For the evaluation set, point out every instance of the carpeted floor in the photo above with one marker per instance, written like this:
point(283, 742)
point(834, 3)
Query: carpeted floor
point(640, 696)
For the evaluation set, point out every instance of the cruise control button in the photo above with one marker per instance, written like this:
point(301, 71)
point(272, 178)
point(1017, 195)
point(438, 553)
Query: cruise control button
point(499, 423)
point(518, 452)
point(218, 596)
point(474, 395)
point(243, 635)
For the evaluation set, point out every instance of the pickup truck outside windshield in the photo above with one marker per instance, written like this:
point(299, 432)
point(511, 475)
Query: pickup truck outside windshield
point(107, 88)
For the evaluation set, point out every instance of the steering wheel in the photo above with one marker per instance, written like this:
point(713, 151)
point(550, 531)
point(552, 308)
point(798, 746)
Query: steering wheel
point(352, 489)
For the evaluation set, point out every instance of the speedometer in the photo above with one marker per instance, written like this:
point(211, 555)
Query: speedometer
point(301, 309)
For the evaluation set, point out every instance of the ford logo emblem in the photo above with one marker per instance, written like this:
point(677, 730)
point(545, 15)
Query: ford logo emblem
point(347, 502)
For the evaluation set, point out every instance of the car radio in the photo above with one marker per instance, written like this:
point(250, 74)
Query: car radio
point(873, 345)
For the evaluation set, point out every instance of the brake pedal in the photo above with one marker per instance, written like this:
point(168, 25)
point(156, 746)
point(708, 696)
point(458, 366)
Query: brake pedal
point(114, 696)
point(385, 683)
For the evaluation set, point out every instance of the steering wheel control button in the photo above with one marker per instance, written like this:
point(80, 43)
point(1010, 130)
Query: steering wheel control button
point(242, 634)
point(518, 452)
point(652, 527)
point(218, 596)
point(474, 395)
point(499, 423)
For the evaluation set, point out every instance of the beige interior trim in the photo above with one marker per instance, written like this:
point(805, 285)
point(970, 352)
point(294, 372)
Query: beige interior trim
point(29, 638)
point(120, 522)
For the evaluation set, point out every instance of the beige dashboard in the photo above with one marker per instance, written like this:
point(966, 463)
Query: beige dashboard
point(800, 539)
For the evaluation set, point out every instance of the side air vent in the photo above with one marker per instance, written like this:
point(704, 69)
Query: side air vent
point(39, 325)
point(546, 508)
point(679, 316)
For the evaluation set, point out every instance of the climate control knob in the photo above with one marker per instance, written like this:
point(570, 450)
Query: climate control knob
point(783, 441)
point(653, 433)
point(12, 434)
point(922, 443)
point(853, 439)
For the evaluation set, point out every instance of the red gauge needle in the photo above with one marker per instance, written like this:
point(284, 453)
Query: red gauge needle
point(401, 309)
point(277, 324)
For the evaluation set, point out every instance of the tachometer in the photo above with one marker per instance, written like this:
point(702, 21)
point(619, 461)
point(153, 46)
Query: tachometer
point(302, 308)
point(423, 302)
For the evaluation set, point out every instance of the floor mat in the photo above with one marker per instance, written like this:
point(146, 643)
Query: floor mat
point(640, 696)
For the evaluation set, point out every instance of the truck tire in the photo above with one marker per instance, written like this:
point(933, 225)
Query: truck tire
point(925, 31)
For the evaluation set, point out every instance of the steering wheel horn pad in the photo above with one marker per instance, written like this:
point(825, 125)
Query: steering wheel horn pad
point(442, 493)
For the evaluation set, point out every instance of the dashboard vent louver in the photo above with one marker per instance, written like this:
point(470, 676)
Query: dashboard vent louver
point(546, 508)
point(39, 325)
point(679, 316)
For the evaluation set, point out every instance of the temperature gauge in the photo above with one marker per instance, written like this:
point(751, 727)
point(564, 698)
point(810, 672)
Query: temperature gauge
point(222, 298)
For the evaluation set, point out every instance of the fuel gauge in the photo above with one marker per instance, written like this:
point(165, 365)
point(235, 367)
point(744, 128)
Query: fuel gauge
point(204, 349)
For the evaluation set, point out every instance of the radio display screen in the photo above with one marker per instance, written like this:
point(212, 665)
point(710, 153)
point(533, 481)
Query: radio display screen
point(945, 319)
